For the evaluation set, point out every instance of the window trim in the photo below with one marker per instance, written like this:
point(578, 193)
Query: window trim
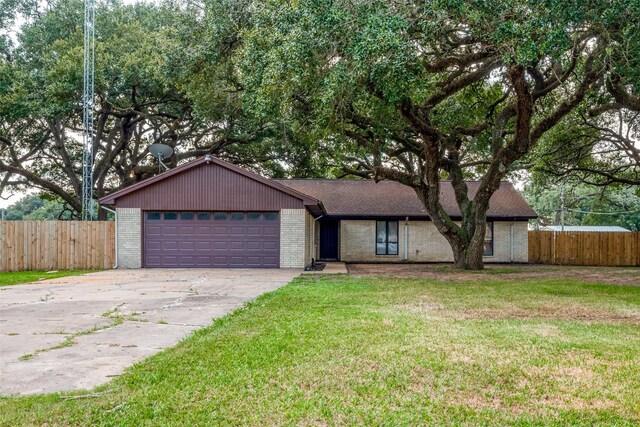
point(492, 240)
point(387, 241)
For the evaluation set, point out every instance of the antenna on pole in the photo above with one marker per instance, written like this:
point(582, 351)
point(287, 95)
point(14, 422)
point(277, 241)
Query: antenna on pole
point(88, 211)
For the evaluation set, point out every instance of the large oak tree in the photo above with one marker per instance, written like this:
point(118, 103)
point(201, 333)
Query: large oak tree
point(419, 91)
point(164, 74)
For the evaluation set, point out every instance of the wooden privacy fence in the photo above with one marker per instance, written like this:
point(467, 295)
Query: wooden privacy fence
point(56, 245)
point(584, 248)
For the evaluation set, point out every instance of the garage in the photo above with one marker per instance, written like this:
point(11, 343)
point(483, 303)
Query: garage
point(211, 239)
point(208, 213)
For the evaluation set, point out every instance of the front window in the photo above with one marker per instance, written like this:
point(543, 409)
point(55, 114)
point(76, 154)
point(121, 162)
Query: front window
point(386, 237)
point(487, 250)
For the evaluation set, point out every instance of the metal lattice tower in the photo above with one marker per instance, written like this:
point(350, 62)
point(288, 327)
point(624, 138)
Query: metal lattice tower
point(88, 211)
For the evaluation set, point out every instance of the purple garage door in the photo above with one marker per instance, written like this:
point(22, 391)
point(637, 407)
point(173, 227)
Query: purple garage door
point(211, 239)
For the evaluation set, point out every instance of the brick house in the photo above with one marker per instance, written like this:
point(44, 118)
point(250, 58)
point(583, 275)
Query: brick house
point(210, 213)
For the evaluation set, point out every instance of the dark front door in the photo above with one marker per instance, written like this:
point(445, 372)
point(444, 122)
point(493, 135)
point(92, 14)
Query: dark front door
point(329, 231)
point(211, 239)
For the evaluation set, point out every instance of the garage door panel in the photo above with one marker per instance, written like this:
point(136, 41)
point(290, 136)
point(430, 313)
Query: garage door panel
point(169, 245)
point(187, 230)
point(203, 260)
point(170, 230)
point(237, 261)
point(154, 230)
point(152, 245)
point(186, 245)
point(236, 230)
point(187, 261)
point(204, 229)
point(212, 239)
point(271, 231)
point(235, 246)
point(270, 259)
point(252, 246)
point(254, 261)
point(270, 246)
point(204, 246)
point(220, 230)
point(253, 230)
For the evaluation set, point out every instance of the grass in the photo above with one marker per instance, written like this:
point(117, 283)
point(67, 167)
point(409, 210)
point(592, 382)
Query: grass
point(18, 277)
point(382, 351)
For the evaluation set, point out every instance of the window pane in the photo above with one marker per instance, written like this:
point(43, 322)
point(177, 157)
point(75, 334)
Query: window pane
point(393, 249)
point(381, 248)
point(487, 250)
point(381, 231)
point(186, 215)
point(489, 233)
point(237, 216)
point(203, 216)
point(393, 231)
point(220, 216)
point(171, 215)
point(270, 216)
point(253, 216)
point(153, 215)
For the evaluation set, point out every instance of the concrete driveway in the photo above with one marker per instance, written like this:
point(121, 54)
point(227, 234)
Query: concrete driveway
point(78, 332)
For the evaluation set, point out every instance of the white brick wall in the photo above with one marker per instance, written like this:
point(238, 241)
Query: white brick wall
point(294, 241)
point(501, 242)
point(426, 244)
point(129, 237)
point(358, 242)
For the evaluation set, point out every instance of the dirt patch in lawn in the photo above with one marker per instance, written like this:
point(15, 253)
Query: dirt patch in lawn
point(580, 314)
point(442, 272)
point(542, 311)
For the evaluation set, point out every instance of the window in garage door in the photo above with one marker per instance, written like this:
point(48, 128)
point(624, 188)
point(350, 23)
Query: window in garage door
point(211, 239)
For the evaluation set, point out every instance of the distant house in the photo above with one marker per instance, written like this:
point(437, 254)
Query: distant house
point(585, 228)
point(210, 213)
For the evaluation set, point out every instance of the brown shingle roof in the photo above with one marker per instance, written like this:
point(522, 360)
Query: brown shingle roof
point(366, 198)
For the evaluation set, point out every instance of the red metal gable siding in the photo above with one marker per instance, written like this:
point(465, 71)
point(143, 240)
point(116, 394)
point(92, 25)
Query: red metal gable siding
point(209, 187)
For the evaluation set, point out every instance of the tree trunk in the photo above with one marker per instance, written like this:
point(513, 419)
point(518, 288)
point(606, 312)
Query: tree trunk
point(467, 255)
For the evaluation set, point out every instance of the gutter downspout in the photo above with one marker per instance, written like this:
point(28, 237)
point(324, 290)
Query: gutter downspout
point(313, 240)
point(115, 265)
point(406, 239)
point(511, 241)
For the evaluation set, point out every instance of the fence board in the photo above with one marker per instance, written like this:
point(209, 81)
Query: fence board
point(56, 245)
point(584, 248)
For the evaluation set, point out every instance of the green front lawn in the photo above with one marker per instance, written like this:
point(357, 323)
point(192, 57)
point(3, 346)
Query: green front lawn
point(383, 351)
point(18, 277)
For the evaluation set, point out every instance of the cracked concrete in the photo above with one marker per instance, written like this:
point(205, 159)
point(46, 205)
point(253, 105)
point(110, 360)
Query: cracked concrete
point(159, 308)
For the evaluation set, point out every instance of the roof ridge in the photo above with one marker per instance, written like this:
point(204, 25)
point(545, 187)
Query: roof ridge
point(368, 180)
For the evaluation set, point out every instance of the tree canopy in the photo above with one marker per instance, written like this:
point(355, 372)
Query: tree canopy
point(584, 204)
point(164, 74)
point(422, 91)
point(406, 90)
point(37, 207)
